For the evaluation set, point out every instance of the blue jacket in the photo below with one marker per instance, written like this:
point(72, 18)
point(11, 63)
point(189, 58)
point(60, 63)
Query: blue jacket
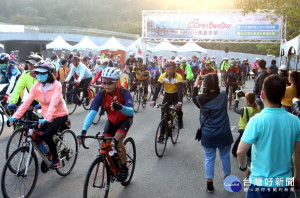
point(216, 132)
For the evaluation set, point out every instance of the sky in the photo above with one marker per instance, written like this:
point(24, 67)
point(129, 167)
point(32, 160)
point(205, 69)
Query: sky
point(198, 4)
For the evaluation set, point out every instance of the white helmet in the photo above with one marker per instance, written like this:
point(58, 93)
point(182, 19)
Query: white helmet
point(111, 72)
point(131, 54)
point(177, 61)
point(183, 60)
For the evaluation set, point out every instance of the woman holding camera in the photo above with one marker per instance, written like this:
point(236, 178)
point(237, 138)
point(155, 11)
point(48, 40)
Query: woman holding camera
point(214, 120)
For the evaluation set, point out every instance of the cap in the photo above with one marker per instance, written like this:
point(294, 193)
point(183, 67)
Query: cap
point(31, 61)
point(257, 59)
point(283, 67)
point(42, 70)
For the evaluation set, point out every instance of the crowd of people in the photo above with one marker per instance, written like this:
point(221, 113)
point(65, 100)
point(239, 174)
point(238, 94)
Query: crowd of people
point(269, 122)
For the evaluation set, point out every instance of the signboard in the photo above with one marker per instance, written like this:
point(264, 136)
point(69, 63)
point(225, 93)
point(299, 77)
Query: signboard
point(218, 25)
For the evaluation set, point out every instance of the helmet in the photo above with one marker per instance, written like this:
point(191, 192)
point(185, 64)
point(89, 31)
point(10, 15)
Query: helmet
point(44, 66)
point(111, 72)
point(75, 58)
point(170, 63)
point(237, 59)
point(177, 61)
point(232, 58)
point(225, 58)
point(104, 62)
point(232, 64)
point(152, 60)
point(139, 59)
point(194, 56)
point(33, 59)
point(131, 54)
point(213, 57)
point(257, 59)
point(183, 60)
point(4, 58)
point(244, 60)
point(207, 62)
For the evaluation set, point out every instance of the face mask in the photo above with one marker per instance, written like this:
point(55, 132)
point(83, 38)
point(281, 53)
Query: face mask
point(3, 67)
point(42, 77)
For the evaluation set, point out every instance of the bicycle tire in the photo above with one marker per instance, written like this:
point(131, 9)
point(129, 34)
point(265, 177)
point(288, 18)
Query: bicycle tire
point(6, 168)
point(1, 121)
point(131, 159)
point(17, 137)
point(175, 130)
point(230, 94)
point(136, 101)
point(160, 147)
point(88, 107)
point(67, 152)
point(71, 101)
point(96, 164)
point(150, 93)
point(142, 99)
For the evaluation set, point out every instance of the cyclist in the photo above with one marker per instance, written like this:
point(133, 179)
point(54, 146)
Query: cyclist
point(214, 64)
point(172, 83)
point(154, 71)
point(225, 65)
point(140, 73)
point(117, 102)
point(188, 74)
point(255, 67)
point(232, 77)
point(48, 92)
point(9, 74)
point(27, 79)
point(207, 70)
point(178, 69)
point(245, 69)
point(84, 79)
point(195, 65)
point(130, 62)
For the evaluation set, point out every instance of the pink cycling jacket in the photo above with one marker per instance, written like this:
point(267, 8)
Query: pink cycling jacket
point(53, 105)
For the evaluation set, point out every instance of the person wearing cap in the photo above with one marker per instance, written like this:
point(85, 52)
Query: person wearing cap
point(233, 77)
point(172, 84)
point(48, 92)
point(140, 74)
point(195, 65)
point(26, 80)
point(255, 67)
point(9, 74)
point(84, 79)
point(262, 70)
point(188, 74)
point(118, 105)
point(283, 73)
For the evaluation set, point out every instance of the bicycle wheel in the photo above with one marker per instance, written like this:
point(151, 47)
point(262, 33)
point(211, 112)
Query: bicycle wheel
point(15, 141)
point(160, 144)
point(1, 121)
point(71, 101)
point(142, 99)
point(188, 94)
point(230, 95)
point(91, 96)
point(130, 157)
point(67, 149)
point(150, 93)
point(97, 180)
point(175, 130)
point(16, 183)
point(136, 101)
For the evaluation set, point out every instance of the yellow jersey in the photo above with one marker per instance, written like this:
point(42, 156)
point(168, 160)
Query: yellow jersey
point(170, 86)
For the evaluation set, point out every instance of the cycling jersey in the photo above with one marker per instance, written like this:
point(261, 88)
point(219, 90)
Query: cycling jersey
point(81, 71)
point(181, 72)
point(194, 64)
point(130, 62)
point(140, 73)
point(154, 69)
point(187, 71)
point(225, 65)
point(206, 71)
point(170, 86)
point(232, 74)
point(25, 80)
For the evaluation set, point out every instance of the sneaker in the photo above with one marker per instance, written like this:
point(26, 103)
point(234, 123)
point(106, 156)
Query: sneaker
point(123, 174)
point(210, 187)
point(87, 101)
point(160, 139)
point(55, 164)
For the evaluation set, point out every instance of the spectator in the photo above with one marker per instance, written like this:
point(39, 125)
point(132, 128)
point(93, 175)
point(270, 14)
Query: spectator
point(255, 67)
point(273, 67)
point(283, 73)
point(275, 136)
point(214, 120)
point(259, 82)
point(291, 91)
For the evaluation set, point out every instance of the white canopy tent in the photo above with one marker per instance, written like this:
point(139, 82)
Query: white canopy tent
point(59, 43)
point(191, 46)
point(113, 45)
point(165, 45)
point(290, 51)
point(138, 44)
point(85, 43)
point(2, 46)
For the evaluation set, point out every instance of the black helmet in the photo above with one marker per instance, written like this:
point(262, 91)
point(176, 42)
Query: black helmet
point(139, 59)
point(4, 58)
point(44, 66)
point(33, 59)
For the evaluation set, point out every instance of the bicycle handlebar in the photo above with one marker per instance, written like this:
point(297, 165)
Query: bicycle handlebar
point(98, 137)
point(27, 122)
point(165, 105)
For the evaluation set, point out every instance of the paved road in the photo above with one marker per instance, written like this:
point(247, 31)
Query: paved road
point(179, 173)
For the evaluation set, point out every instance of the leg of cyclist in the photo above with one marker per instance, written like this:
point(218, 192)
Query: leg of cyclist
point(84, 84)
point(145, 82)
point(48, 138)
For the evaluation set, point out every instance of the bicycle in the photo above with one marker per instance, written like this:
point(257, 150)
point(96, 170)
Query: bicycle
point(223, 78)
point(138, 97)
point(74, 97)
point(167, 127)
point(105, 168)
point(26, 161)
point(4, 112)
point(231, 93)
point(186, 91)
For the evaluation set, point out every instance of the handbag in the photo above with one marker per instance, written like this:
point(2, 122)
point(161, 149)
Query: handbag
point(199, 131)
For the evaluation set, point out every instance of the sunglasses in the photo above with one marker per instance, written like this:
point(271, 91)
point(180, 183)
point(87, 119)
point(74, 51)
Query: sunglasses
point(108, 83)
point(41, 73)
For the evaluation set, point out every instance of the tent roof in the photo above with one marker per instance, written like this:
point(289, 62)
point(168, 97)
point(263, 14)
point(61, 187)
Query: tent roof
point(86, 43)
point(191, 46)
point(165, 45)
point(113, 45)
point(58, 43)
point(294, 43)
point(1, 46)
point(134, 44)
